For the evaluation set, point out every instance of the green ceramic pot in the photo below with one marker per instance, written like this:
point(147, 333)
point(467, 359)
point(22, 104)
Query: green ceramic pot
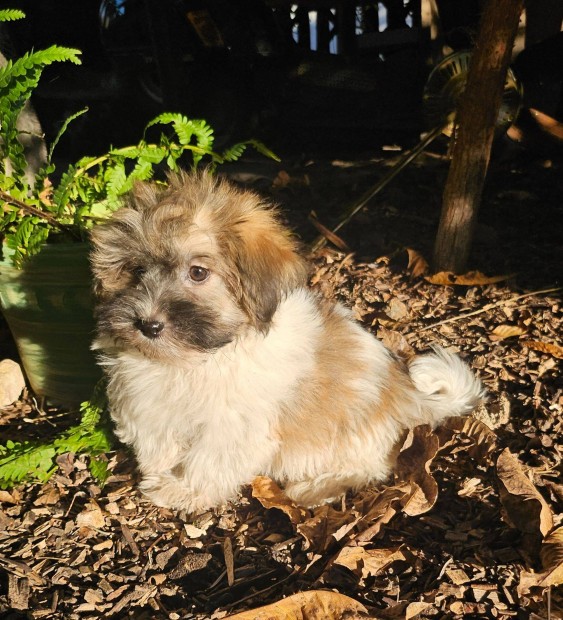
point(48, 307)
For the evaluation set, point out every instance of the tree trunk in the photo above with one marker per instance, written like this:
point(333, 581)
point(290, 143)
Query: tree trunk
point(477, 114)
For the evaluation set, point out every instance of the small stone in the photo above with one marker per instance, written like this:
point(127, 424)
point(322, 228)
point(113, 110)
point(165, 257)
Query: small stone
point(12, 382)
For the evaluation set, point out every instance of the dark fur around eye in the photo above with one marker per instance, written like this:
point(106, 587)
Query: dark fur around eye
point(137, 271)
point(199, 327)
point(185, 322)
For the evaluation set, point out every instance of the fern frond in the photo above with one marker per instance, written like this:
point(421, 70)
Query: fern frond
point(34, 461)
point(263, 149)
point(22, 75)
point(195, 132)
point(62, 130)
point(64, 189)
point(234, 152)
point(10, 15)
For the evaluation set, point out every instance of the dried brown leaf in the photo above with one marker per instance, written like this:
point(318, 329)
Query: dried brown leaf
point(545, 347)
point(396, 309)
point(369, 562)
point(471, 278)
point(413, 466)
point(495, 413)
point(7, 498)
point(18, 592)
point(502, 332)
point(457, 576)
point(283, 179)
point(484, 440)
point(190, 563)
point(320, 529)
point(91, 517)
point(551, 554)
point(269, 494)
point(312, 605)
point(525, 509)
point(418, 265)
point(329, 235)
point(378, 508)
point(396, 342)
point(49, 496)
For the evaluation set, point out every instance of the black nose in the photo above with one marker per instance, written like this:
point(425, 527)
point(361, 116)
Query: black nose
point(151, 329)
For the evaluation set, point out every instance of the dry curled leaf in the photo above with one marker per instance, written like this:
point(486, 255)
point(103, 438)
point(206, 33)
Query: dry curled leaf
point(545, 347)
point(482, 437)
point(283, 179)
point(418, 265)
point(551, 554)
point(329, 235)
point(396, 342)
point(320, 529)
point(91, 517)
point(471, 278)
point(495, 413)
point(378, 508)
point(7, 498)
point(268, 493)
point(190, 563)
point(502, 332)
point(525, 509)
point(369, 562)
point(312, 605)
point(396, 309)
point(413, 466)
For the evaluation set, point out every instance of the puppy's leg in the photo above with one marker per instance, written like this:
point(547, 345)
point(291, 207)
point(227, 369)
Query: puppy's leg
point(168, 490)
point(324, 489)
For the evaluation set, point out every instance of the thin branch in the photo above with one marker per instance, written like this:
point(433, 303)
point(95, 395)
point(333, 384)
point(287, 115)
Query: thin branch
point(488, 307)
point(37, 212)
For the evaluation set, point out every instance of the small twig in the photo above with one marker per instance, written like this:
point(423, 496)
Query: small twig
point(263, 591)
point(359, 204)
point(488, 307)
point(37, 212)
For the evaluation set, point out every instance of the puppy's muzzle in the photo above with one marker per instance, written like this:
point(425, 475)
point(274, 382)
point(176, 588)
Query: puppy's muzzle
point(149, 328)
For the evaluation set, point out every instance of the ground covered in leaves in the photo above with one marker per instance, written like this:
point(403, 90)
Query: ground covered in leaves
point(471, 525)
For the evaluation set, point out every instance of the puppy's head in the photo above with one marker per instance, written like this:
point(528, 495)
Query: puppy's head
point(191, 267)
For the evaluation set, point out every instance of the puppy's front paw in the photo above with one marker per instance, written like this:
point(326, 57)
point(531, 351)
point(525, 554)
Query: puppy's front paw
point(169, 492)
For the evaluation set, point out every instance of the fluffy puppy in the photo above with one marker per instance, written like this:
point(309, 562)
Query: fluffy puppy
point(223, 365)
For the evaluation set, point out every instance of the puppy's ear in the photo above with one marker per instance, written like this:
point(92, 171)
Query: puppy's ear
point(268, 265)
point(115, 242)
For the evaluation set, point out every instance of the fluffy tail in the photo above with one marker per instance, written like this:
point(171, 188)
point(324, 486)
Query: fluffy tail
point(447, 385)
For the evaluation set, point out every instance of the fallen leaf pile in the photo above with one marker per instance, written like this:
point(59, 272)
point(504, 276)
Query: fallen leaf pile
point(470, 526)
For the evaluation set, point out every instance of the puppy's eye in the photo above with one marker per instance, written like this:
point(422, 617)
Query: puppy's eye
point(198, 274)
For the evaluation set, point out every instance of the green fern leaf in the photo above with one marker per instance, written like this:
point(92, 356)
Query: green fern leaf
point(234, 152)
point(115, 179)
point(10, 15)
point(64, 189)
point(99, 470)
point(187, 129)
point(62, 130)
point(19, 77)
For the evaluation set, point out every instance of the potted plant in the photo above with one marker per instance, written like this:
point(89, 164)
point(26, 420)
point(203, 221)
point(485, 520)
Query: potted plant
point(45, 284)
point(44, 271)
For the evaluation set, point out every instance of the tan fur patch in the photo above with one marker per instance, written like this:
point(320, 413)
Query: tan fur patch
point(321, 418)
